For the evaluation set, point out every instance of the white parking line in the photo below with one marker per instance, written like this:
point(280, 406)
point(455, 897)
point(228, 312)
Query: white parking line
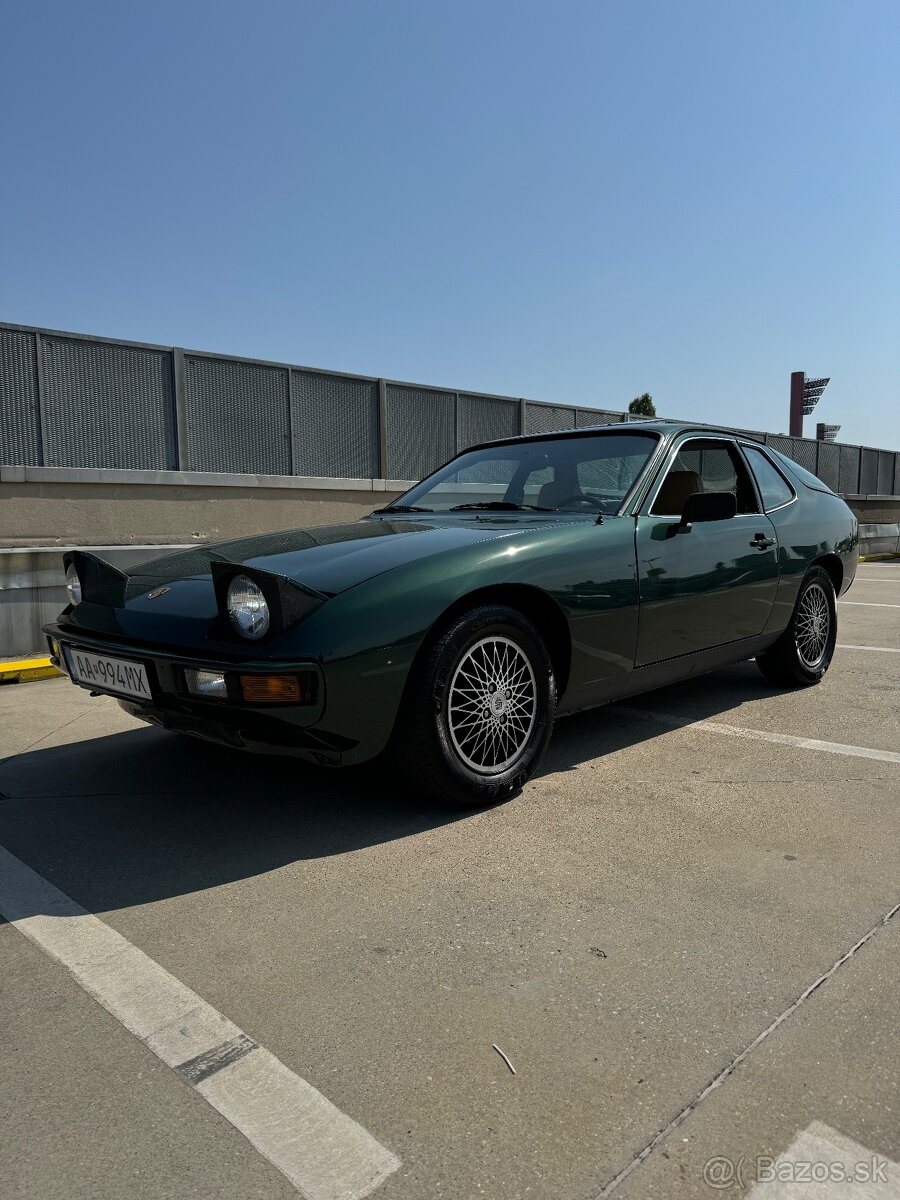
point(324, 1153)
point(826, 1164)
point(867, 604)
point(763, 735)
point(878, 649)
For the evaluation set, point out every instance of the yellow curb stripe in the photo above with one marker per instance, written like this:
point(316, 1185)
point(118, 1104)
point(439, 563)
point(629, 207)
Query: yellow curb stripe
point(21, 670)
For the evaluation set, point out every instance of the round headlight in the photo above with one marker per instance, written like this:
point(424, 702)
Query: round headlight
point(73, 585)
point(247, 607)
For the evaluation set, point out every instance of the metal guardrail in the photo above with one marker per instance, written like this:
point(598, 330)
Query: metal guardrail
point(72, 400)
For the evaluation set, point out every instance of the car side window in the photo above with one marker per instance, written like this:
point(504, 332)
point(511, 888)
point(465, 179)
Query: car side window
point(773, 487)
point(705, 465)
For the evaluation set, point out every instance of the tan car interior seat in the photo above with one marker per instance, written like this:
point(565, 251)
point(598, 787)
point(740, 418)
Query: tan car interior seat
point(676, 488)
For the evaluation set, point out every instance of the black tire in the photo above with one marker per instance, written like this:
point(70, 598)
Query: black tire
point(803, 653)
point(451, 736)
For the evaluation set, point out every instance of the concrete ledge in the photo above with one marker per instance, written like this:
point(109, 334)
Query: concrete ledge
point(879, 529)
point(879, 539)
point(56, 506)
point(78, 475)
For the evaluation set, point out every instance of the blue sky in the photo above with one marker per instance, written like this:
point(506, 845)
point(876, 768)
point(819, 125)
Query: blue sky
point(565, 201)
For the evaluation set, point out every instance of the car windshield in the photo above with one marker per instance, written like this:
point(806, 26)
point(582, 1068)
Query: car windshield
point(586, 474)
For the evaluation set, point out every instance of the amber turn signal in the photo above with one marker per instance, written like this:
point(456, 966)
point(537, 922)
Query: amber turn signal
point(271, 689)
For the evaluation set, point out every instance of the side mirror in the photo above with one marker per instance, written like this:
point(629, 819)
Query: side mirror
point(707, 506)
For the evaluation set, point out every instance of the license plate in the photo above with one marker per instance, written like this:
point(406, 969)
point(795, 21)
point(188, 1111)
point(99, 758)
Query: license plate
point(116, 675)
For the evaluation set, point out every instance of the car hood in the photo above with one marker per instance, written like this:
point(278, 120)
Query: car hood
point(328, 558)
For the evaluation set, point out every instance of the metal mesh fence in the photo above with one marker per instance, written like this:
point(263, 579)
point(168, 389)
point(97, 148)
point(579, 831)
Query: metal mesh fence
point(595, 416)
point(237, 416)
point(106, 405)
point(805, 453)
point(420, 427)
point(848, 476)
point(868, 471)
point(829, 465)
point(334, 425)
point(20, 417)
point(74, 401)
point(784, 445)
point(545, 418)
point(486, 419)
point(885, 483)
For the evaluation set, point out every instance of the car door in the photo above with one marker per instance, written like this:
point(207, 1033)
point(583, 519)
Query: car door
point(710, 583)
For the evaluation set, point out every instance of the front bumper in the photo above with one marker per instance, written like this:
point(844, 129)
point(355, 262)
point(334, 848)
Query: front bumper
point(242, 730)
point(270, 729)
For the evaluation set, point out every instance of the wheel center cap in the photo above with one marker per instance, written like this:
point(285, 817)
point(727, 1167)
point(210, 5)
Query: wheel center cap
point(498, 704)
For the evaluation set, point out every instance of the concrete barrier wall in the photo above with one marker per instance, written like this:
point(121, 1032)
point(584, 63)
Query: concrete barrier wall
point(882, 538)
point(128, 516)
point(47, 506)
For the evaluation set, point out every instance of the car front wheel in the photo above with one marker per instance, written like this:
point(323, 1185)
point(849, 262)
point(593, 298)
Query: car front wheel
point(803, 653)
point(479, 709)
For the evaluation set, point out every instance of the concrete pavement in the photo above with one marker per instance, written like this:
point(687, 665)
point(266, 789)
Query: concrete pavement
point(624, 931)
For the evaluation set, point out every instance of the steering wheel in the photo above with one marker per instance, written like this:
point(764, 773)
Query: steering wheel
point(579, 498)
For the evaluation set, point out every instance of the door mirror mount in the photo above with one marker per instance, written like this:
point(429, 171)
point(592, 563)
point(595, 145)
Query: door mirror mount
point(707, 506)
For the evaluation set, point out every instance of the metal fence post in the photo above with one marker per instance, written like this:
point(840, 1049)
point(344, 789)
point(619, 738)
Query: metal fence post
point(292, 458)
point(382, 430)
point(522, 404)
point(39, 378)
point(181, 431)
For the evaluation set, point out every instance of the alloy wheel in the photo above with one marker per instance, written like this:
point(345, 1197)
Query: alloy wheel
point(491, 705)
point(812, 626)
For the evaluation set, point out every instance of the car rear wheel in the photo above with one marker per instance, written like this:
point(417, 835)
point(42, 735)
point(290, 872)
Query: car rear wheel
point(803, 653)
point(479, 711)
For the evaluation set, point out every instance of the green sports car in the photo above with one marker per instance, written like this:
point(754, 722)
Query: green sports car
point(525, 579)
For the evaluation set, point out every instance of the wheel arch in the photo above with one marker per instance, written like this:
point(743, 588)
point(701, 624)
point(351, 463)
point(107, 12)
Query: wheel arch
point(533, 602)
point(833, 567)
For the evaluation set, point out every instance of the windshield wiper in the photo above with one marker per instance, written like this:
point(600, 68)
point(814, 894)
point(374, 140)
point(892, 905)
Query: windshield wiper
point(498, 506)
point(402, 508)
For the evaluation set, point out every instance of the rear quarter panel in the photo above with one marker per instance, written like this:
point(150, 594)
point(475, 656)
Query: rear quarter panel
point(814, 525)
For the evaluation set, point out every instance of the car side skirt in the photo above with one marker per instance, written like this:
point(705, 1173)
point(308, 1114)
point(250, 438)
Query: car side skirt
point(670, 670)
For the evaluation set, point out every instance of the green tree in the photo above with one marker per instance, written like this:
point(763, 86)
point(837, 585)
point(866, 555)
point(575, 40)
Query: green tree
point(642, 406)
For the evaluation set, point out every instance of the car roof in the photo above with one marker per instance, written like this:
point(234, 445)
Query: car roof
point(661, 426)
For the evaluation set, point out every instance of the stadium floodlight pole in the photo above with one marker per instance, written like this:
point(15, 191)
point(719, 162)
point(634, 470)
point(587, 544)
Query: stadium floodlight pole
point(805, 395)
point(826, 433)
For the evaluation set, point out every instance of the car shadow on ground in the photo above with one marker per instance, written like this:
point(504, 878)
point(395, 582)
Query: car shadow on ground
point(142, 815)
point(716, 696)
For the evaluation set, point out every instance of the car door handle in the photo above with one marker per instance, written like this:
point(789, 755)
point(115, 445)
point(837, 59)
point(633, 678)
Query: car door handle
point(761, 542)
